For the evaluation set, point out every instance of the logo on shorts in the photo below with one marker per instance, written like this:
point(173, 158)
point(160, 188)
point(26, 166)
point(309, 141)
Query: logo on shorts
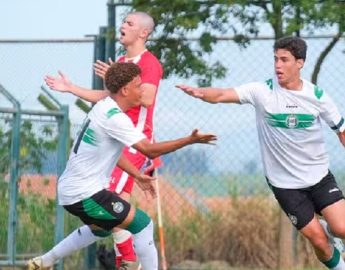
point(293, 219)
point(333, 190)
point(117, 207)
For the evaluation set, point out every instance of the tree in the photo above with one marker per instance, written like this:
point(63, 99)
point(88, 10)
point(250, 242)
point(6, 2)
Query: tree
point(34, 147)
point(240, 18)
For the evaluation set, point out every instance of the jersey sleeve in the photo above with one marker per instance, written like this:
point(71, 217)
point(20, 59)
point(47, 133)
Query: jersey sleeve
point(121, 128)
point(151, 72)
point(330, 114)
point(249, 93)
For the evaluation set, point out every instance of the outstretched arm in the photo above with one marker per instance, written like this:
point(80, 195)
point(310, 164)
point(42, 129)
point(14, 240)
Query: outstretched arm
point(153, 150)
point(62, 83)
point(211, 94)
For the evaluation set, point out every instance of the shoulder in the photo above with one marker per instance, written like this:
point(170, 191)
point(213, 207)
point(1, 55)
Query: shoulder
point(150, 58)
point(313, 90)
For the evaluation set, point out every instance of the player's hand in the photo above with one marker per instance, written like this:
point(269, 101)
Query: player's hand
point(101, 67)
point(59, 83)
point(192, 91)
point(145, 182)
point(207, 138)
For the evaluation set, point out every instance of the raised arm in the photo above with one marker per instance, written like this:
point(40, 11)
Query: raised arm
point(211, 94)
point(62, 83)
point(153, 150)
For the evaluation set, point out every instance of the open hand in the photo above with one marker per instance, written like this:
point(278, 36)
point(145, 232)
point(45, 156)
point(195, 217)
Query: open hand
point(192, 91)
point(101, 67)
point(59, 83)
point(207, 138)
point(145, 183)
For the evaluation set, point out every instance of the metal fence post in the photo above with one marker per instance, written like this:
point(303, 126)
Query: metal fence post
point(14, 172)
point(63, 148)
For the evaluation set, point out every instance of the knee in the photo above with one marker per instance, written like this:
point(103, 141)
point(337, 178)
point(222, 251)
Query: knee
point(338, 230)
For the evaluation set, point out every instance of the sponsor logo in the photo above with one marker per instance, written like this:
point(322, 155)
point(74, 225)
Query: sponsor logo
point(333, 190)
point(293, 219)
point(291, 106)
point(118, 207)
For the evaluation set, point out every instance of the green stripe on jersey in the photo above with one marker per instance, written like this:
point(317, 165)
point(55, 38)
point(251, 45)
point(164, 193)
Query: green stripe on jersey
point(89, 137)
point(94, 210)
point(286, 120)
point(269, 82)
point(112, 112)
point(318, 92)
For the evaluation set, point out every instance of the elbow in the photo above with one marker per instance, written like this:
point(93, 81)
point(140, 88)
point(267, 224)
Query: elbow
point(152, 155)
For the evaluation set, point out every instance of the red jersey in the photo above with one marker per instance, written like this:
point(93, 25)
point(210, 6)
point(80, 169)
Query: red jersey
point(151, 73)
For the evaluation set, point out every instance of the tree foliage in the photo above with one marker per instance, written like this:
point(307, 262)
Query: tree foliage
point(34, 146)
point(180, 20)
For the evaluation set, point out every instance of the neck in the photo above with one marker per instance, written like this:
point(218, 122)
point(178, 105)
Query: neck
point(124, 106)
point(134, 50)
point(293, 85)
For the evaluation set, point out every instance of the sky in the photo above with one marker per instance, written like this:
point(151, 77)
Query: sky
point(36, 19)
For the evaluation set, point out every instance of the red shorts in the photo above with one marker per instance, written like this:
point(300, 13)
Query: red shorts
point(120, 181)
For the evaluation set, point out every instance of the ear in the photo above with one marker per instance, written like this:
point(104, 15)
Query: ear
point(144, 33)
point(300, 63)
point(124, 91)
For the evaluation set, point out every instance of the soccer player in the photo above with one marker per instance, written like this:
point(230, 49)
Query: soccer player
point(134, 33)
point(105, 132)
point(289, 110)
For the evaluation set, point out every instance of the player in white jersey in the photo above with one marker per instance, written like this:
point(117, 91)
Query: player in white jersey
point(106, 131)
point(289, 110)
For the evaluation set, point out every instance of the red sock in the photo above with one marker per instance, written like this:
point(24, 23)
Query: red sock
point(126, 251)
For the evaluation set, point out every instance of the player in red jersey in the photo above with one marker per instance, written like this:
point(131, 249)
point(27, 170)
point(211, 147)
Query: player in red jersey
point(134, 32)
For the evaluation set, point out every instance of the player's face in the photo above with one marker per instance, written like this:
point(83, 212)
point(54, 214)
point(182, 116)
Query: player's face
point(134, 91)
point(130, 30)
point(287, 67)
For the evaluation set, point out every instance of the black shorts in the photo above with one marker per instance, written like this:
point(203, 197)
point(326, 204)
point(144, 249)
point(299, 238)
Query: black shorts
point(300, 205)
point(104, 209)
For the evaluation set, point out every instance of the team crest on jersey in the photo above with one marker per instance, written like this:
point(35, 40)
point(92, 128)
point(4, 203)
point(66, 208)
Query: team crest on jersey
point(118, 207)
point(291, 121)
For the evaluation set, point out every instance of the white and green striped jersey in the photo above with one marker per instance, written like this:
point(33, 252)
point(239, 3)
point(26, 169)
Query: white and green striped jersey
point(95, 151)
point(289, 129)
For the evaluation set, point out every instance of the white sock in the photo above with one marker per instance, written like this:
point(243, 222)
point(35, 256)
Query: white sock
point(145, 248)
point(78, 239)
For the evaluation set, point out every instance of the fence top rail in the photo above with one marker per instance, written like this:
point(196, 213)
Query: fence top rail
point(91, 38)
point(87, 39)
point(32, 112)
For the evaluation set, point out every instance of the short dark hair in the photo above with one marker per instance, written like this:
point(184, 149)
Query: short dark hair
point(119, 75)
point(295, 45)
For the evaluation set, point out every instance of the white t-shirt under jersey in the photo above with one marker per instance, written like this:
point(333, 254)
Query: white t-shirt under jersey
point(289, 129)
point(96, 149)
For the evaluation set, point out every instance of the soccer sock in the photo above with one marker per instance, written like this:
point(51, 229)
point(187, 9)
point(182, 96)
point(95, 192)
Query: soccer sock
point(142, 229)
point(123, 246)
point(78, 239)
point(336, 262)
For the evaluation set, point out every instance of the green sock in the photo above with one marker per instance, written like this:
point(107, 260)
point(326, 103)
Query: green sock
point(139, 222)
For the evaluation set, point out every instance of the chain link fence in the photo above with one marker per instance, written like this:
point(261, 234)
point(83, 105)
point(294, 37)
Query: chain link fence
point(217, 209)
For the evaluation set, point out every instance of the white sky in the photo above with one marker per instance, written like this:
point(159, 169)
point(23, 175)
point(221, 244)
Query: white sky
point(30, 19)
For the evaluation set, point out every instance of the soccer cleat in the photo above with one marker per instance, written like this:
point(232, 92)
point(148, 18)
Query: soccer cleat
point(335, 241)
point(36, 264)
